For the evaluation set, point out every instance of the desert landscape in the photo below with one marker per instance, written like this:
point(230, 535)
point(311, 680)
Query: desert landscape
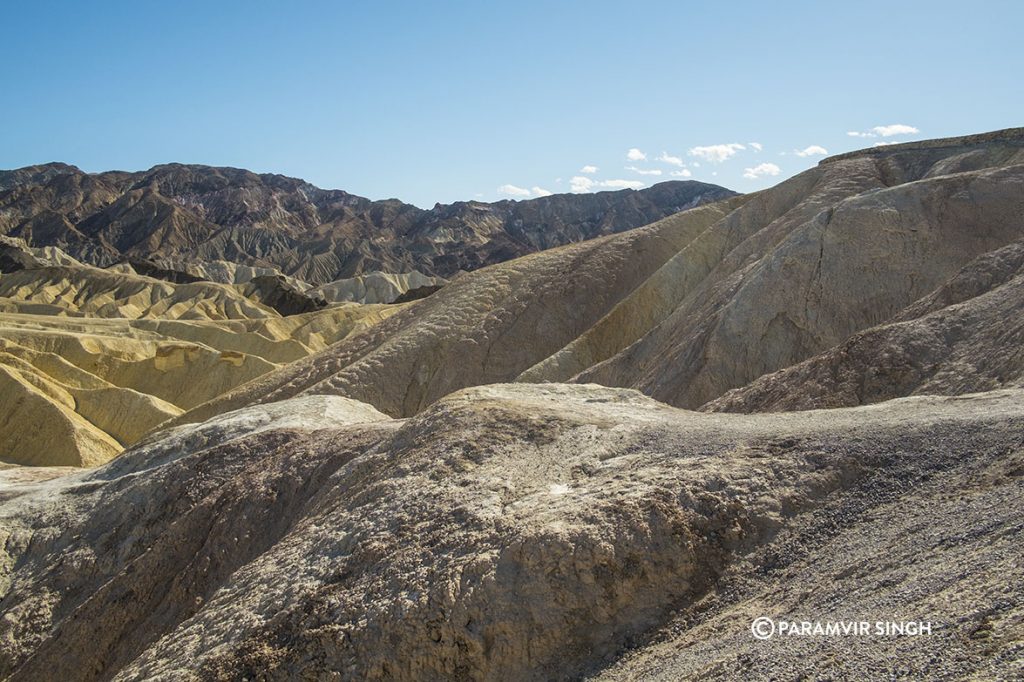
point(512, 342)
point(252, 429)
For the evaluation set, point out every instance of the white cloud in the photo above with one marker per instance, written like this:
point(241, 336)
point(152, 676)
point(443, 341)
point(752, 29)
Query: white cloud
point(643, 171)
point(717, 153)
point(513, 191)
point(886, 131)
point(635, 154)
point(883, 144)
point(813, 150)
point(695, 164)
point(621, 184)
point(896, 129)
point(671, 160)
point(757, 146)
point(760, 170)
point(588, 169)
point(685, 173)
point(580, 184)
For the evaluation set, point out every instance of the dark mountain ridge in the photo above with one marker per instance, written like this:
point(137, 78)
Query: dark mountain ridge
point(177, 211)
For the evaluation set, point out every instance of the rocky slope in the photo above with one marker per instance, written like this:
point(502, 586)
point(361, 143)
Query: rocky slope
point(17, 255)
point(105, 293)
point(966, 336)
point(511, 533)
point(201, 214)
point(934, 539)
point(102, 384)
point(375, 287)
point(707, 300)
point(369, 287)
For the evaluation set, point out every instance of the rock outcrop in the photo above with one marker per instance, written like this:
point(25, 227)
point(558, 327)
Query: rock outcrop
point(16, 255)
point(276, 292)
point(104, 293)
point(376, 287)
point(838, 249)
point(370, 287)
point(418, 293)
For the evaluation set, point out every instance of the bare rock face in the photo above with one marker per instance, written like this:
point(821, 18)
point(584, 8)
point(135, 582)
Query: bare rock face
point(14, 257)
point(277, 293)
point(148, 268)
point(933, 540)
point(506, 533)
point(966, 336)
point(187, 214)
point(418, 293)
point(103, 293)
point(16, 254)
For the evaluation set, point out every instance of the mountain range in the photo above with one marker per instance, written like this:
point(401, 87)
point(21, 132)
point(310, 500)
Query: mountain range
point(187, 215)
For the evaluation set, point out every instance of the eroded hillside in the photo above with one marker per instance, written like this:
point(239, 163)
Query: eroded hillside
point(92, 360)
point(710, 299)
point(514, 532)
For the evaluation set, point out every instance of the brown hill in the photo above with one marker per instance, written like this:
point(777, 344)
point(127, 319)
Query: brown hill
point(486, 326)
point(837, 249)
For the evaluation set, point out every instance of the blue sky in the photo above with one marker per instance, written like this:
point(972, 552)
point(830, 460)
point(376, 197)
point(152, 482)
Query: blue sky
point(441, 101)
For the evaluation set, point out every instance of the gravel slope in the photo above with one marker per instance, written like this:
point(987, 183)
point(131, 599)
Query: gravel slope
point(517, 532)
